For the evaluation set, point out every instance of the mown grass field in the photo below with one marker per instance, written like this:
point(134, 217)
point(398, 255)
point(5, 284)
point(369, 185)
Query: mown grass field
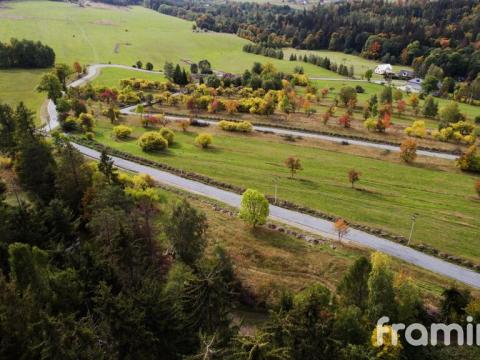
point(111, 76)
point(387, 195)
point(19, 85)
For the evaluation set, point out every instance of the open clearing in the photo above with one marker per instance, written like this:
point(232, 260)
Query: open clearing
point(388, 193)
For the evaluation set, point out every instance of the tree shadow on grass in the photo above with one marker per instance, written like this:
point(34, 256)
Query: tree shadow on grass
point(276, 239)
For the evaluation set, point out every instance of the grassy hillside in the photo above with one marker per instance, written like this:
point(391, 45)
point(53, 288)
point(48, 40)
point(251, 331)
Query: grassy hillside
point(19, 85)
point(117, 35)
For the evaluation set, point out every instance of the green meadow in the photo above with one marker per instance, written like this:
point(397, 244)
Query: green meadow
point(122, 36)
point(387, 195)
point(19, 85)
point(111, 76)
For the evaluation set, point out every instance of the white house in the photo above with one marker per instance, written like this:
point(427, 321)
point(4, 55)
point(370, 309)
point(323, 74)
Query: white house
point(383, 69)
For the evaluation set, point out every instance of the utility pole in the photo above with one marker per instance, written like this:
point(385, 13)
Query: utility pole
point(414, 218)
point(276, 179)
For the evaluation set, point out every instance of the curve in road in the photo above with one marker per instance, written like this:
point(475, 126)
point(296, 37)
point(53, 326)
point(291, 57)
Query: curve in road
point(297, 219)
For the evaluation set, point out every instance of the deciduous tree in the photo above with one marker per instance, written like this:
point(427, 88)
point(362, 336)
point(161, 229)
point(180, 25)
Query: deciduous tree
point(353, 177)
point(293, 164)
point(408, 150)
point(254, 208)
point(341, 228)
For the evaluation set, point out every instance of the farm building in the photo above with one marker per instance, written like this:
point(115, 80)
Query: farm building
point(384, 69)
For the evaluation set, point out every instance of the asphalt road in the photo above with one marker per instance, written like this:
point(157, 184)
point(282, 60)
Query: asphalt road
point(306, 222)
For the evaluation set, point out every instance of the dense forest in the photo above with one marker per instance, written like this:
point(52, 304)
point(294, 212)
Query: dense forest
point(445, 33)
point(26, 54)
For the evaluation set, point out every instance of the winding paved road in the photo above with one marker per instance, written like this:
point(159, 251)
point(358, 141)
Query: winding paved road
point(306, 222)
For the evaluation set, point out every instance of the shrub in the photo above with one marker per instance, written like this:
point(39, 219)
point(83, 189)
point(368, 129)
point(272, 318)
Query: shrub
point(69, 124)
point(408, 150)
point(254, 208)
point(417, 129)
point(370, 124)
point(204, 140)
point(477, 187)
point(461, 131)
point(469, 161)
point(122, 132)
point(86, 122)
point(243, 126)
point(5, 162)
point(152, 141)
point(359, 89)
point(89, 135)
point(168, 135)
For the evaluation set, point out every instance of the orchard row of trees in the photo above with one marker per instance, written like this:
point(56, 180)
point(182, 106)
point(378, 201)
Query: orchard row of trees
point(25, 54)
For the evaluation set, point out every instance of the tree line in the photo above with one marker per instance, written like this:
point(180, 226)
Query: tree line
point(25, 54)
point(400, 32)
point(263, 50)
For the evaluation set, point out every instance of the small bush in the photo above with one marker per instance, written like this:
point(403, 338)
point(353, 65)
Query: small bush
point(122, 132)
point(168, 135)
point(243, 126)
point(408, 150)
point(89, 135)
point(418, 129)
point(204, 140)
point(152, 141)
point(469, 160)
point(69, 124)
point(5, 162)
point(370, 124)
point(359, 89)
point(86, 121)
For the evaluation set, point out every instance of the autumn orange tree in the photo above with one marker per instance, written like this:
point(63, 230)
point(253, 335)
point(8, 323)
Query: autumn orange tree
point(77, 67)
point(408, 150)
point(353, 177)
point(345, 120)
point(341, 228)
point(293, 164)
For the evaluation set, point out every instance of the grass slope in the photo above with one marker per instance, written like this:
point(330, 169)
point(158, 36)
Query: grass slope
point(111, 76)
point(123, 36)
point(19, 85)
point(389, 193)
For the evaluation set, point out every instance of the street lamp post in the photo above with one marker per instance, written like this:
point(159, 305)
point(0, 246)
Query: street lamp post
point(414, 218)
